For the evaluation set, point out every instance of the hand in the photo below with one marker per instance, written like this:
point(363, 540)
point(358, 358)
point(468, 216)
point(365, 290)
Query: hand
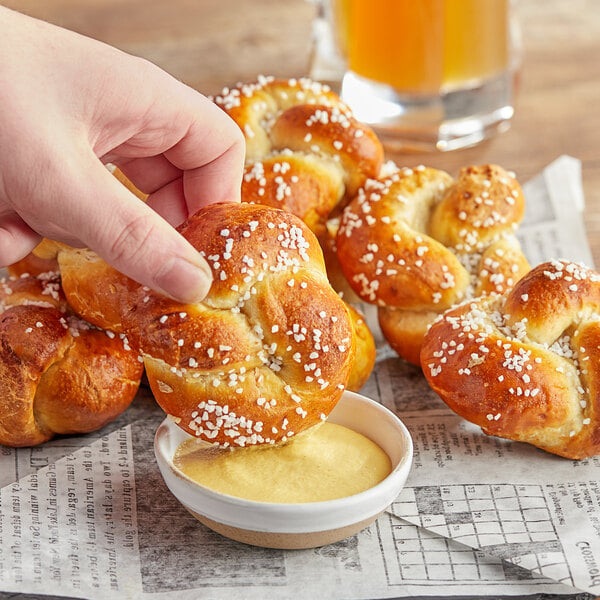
point(68, 104)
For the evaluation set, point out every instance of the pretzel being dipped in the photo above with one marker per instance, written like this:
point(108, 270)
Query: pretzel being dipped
point(264, 356)
point(525, 365)
point(58, 375)
point(416, 242)
point(305, 152)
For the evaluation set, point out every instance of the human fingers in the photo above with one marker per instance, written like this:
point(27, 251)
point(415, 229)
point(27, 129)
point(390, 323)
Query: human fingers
point(217, 181)
point(166, 195)
point(162, 181)
point(130, 235)
point(190, 134)
point(216, 176)
point(170, 203)
point(17, 239)
point(175, 194)
point(149, 173)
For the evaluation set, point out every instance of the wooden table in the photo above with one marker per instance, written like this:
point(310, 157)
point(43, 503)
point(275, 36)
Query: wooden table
point(213, 43)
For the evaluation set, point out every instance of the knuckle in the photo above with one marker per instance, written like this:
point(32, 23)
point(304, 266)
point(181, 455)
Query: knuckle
point(134, 242)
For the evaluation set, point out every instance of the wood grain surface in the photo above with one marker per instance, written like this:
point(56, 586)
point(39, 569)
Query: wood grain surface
point(213, 43)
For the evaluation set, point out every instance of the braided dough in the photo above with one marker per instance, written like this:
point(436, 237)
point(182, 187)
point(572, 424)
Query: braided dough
point(365, 351)
point(264, 356)
point(57, 373)
point(524, 366)
point(416, 242)
point(305, 152)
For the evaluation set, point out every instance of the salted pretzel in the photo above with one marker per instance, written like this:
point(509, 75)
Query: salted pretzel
point(525, 365)
point(58, 374)
point(416, 242)
point(305, 152)
point(265, 356)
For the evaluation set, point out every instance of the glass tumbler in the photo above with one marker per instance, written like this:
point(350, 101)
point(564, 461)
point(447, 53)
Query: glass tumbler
point(425, 74)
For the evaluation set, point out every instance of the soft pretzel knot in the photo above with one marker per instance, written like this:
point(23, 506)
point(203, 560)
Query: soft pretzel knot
point(264, 356)
point(525, 365)
point(305, 152)
point(57, 373)
point(416, 242)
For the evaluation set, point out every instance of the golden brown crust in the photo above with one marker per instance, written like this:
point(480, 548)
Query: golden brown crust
point(524, 365)
point(484, 203)
point(305, 152)
point(366, 351)
point(382, 249)
point(302, 184)
point(329, 132)
point(254, 106)
point(416, 242)
point(404, 330)
point(31, 265)
point(57, 375)
point(264, 356)
point(45, 289)
point(335, 273)
point(91, 386)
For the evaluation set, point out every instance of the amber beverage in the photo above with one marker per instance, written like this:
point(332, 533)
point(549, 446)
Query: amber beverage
point(426, 67)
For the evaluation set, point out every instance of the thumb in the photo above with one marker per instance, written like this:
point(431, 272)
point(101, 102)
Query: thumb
point(137, 241)
point(17, 239)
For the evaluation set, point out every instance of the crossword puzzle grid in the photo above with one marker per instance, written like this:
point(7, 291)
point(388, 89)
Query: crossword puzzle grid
point(509, 522)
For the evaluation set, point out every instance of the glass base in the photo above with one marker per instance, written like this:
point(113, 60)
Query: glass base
point(454, 119)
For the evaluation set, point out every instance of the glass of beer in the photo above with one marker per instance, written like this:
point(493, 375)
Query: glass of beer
point(424, 74)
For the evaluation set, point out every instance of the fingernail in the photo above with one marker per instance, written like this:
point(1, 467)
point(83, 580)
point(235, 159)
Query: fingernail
point(183, 280)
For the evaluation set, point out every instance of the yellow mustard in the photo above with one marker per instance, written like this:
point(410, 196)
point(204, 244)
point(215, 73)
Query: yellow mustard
point(327, 462)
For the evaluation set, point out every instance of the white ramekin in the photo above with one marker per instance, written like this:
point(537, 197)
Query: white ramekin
point(305, 525)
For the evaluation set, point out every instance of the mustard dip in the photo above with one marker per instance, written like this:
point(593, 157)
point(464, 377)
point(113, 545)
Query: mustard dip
point(330, 461)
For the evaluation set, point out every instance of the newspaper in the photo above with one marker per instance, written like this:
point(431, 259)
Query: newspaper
point(90, 517)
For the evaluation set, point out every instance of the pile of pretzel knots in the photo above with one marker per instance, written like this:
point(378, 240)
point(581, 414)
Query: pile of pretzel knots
point(324, 223)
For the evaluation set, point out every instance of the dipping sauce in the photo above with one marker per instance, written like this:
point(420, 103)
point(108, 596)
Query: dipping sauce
point(327, 462)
